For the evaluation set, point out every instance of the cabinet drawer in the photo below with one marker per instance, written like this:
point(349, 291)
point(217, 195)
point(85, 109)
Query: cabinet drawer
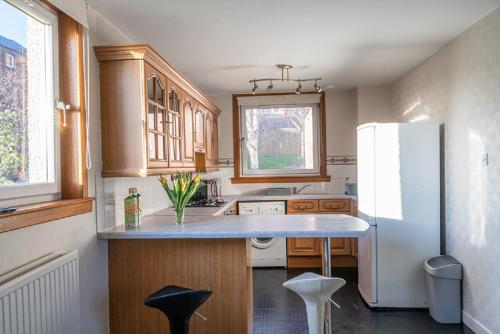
point(302, 206)
point(334, 205)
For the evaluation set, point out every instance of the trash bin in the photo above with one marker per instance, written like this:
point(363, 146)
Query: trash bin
point(443, 276)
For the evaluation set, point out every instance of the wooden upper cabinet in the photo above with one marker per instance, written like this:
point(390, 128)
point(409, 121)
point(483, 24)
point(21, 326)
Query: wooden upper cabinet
point(199, 128)
point(188, 123)
point(148, 114)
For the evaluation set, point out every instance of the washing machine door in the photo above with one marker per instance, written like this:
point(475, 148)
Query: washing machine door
point(263, 243)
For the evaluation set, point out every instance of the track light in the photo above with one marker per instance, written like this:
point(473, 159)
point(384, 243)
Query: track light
point(255, 87)
point(317, 87)
point(299, 89)
point(271, 86)
point(285, 77)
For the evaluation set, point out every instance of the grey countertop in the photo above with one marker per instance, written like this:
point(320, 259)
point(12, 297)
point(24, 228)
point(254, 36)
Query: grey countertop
point(320, 225)
point(212, 223)
point(232, 199)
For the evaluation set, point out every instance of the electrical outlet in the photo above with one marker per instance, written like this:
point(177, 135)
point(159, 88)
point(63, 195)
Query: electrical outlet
point(484, 159)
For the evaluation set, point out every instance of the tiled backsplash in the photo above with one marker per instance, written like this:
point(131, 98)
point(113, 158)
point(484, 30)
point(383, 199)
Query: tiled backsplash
point(153, 197)
point(338, 174)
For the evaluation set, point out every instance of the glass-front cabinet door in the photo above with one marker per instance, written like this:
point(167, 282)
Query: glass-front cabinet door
point(174, 126)
point(156, 119)
point(199, 128)
point(209, 132)
point(188, 119)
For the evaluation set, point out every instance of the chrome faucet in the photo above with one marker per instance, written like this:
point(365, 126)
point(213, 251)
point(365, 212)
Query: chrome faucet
point(297, 191)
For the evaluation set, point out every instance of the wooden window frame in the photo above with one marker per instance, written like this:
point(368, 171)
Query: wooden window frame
point(73, 172)
point(237, 178)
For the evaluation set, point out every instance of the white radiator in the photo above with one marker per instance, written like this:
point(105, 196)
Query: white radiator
point(41, 297)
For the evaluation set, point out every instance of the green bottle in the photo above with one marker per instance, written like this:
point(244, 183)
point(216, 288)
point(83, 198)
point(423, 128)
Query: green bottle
point(132, 209)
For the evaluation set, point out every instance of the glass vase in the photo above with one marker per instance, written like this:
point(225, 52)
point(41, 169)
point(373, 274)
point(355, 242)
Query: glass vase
point(180, 216)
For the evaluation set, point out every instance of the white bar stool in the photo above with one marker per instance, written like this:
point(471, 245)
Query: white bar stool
point(315, 290)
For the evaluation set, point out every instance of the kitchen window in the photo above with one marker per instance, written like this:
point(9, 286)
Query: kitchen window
point(29, 147)
point(280, 138)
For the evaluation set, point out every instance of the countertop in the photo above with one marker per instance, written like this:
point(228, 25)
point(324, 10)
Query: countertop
point(208, 222)
point(232, 199)
point(320, 225)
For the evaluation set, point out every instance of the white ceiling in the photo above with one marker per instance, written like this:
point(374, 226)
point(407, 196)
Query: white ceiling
point(221, 44)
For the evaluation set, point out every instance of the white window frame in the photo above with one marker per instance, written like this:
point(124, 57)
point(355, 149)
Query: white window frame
point(10, 60)
point(244, 172)
point(37, 192)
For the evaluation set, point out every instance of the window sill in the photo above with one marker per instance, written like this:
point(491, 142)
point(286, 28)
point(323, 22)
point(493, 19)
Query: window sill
point(280, 179)
point(33, 214)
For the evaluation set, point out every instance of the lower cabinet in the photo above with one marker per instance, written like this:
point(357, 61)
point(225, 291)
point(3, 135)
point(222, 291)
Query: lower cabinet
point(306, 252)
point(304, 246)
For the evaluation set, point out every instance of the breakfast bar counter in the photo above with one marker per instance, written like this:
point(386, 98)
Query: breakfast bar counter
point(206, 252)
point(250, 226)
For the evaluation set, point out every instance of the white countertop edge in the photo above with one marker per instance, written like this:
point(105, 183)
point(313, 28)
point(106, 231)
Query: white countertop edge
point(130, 234)
point(257, 226)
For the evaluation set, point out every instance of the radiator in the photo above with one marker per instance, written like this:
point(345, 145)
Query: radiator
point(41, 297)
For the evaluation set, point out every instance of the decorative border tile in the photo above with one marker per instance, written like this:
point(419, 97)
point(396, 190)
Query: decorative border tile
point(342, 159)
point(225, 162)
point(331, 160)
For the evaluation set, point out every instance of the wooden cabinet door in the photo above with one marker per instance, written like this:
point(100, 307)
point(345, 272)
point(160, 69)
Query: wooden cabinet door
point(304, 246)
point(156, 118)
point(215, 145)
point(209, 134)
point(199, 128)
point(354, 247)
point(174, 126)
point(340, 246)
point(188, 128)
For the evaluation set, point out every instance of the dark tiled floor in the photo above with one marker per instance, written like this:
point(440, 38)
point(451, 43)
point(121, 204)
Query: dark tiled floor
point(280, 311)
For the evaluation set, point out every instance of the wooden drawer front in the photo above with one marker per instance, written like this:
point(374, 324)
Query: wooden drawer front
point(298, 206)
point(334, 205)
point(304, 246)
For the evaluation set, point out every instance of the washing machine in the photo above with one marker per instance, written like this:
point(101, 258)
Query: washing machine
point(266, 252)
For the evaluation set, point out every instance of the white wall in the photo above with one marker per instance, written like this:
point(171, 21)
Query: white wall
point(77, 232)
point(341, 140)
point(374, 104)
point(460, 87)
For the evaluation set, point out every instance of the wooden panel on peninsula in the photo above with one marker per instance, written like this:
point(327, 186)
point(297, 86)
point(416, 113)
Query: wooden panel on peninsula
point(139, 267)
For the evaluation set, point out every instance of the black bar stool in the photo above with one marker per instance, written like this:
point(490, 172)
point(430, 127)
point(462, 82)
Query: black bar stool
point(178, 304)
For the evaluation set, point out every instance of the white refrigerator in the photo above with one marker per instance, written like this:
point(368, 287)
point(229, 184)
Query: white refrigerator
point(399, 196)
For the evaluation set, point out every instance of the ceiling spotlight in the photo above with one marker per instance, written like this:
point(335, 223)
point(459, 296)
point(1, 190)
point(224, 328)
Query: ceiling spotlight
point(299, 88)
point(271, 86)
point(285, 77)
point(317, 88)
point(254, 89)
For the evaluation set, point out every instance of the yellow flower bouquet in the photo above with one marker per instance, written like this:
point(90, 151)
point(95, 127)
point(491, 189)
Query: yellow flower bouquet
point(184, 187)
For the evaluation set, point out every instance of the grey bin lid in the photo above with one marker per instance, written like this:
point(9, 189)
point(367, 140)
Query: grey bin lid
point(444, 266)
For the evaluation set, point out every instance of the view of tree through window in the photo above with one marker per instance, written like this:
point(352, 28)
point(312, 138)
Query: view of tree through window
point(279, 139)
point(26, 113)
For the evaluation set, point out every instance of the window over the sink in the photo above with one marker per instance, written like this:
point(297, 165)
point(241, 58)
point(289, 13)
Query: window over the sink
point(281, 138)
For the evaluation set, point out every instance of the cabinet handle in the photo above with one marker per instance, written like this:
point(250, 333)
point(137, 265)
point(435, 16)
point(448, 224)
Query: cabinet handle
point(302, 208)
